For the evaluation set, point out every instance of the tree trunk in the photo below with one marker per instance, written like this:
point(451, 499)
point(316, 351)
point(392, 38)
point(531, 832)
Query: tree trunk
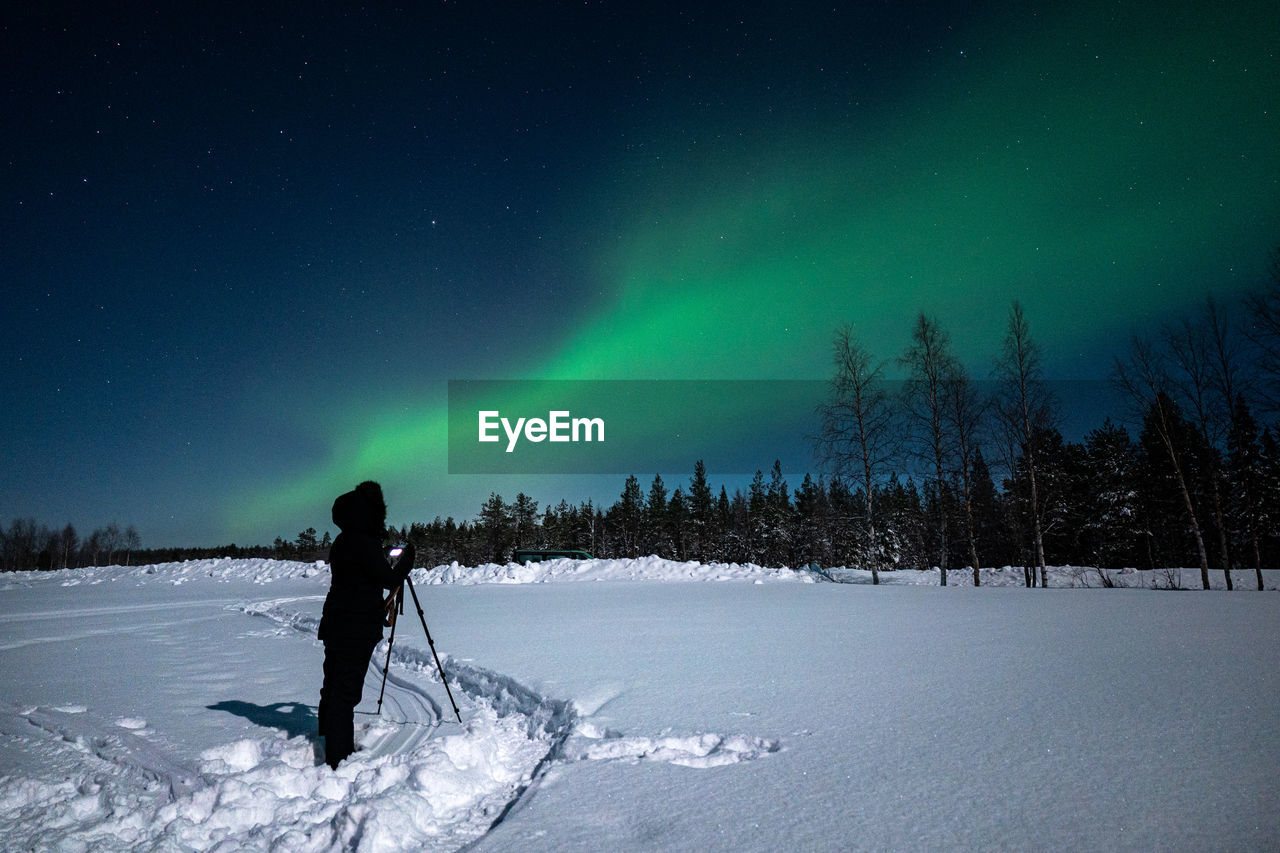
point(973, 541)
point(942, 512)
point(1257, 558)
point(871, 537)
point(1222, 530)
point(1195, 528)
point(942, 534)
point(1037, 533)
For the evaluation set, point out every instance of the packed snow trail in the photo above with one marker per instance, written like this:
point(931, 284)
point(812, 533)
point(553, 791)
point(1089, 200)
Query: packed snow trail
point(553, 725)
point(414, 781)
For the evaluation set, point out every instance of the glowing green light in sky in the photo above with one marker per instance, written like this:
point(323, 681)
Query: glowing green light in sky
point(1107, 170)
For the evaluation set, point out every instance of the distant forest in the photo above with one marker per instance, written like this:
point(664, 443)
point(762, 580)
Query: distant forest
point(935, 471)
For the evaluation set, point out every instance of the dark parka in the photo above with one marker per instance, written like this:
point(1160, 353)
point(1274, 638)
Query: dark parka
point(354, 609)
point(353, 612)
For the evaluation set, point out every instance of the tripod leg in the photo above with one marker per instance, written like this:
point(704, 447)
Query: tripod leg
point(432, 644)
point(386, 666)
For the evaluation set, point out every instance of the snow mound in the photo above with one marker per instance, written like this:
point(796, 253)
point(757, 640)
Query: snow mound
point(591, 743)
point(264, 571)
point(254, 569)
point(651, 568)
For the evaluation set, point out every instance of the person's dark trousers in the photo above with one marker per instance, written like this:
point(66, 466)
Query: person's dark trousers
point(345, 664)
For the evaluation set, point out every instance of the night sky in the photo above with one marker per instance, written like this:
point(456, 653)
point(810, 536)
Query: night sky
point(246, 246)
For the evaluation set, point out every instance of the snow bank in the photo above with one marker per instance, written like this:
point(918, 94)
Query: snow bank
point(252, 569)
point(650, 568)
point(261, 571)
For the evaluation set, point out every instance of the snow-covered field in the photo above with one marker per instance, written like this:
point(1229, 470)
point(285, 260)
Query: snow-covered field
point(642, 705)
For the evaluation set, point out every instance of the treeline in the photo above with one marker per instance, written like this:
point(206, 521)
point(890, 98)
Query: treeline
point(1104, 502)
point(910, 472)
point(28, 545)
point(908, 477)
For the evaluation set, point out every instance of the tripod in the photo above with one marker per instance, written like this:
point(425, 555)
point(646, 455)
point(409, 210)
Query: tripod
point(395, 604)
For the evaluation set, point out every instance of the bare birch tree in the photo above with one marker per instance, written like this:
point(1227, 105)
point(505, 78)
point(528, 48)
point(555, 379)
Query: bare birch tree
point(965, 410)
point(1233, 383)
point(857, 439)
point(1142, 377)
point(1195, 348)
point(1024, 407)
point(930, 364)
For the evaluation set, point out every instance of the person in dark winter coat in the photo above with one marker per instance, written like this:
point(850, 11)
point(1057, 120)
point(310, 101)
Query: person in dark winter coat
point(351, 625)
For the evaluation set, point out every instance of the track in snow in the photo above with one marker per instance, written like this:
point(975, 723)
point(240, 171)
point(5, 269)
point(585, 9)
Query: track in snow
point(419, 780)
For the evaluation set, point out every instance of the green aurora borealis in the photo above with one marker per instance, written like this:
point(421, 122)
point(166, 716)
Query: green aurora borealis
point(250, 250)
point(1106, 172)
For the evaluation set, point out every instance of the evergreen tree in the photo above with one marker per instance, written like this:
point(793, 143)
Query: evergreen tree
point(1245, 484)
point(496, 529)
point(524, 520)
point(678, 524)
point(812, 542)
point(590, 522)
point(752, 522)
point(655, 531)
point(1062, 486)
point(778, 519)
point(1269, 499)
point(307, 543)
point(900, 542)
point(988, 515)
point(701, 521)
point(1111, 527)
point(737, 525)
point(723, 525)
point(629, 516)
point(846, 531)
point(550, 526)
